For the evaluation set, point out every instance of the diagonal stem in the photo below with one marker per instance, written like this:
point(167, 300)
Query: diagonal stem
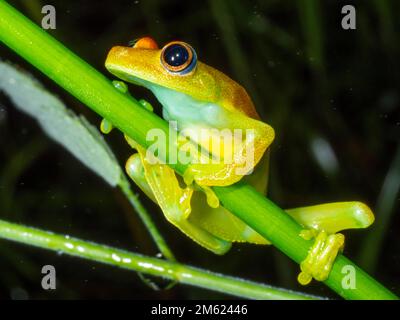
point(146, 219)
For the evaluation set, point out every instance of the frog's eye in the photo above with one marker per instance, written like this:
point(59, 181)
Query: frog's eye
point(178, 57)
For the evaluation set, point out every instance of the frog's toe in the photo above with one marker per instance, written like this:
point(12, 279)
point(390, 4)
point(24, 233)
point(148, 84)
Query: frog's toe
point(189, 179)
point(106, 126)
point(188, 176)
point(120, 86)
point(304, 278)
point(212, 199)
point(321, 257)
point(147, 105)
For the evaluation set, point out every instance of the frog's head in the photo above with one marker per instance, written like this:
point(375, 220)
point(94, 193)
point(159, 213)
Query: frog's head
point(175, 67)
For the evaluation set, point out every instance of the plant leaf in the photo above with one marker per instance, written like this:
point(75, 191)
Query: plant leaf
point(73, 132)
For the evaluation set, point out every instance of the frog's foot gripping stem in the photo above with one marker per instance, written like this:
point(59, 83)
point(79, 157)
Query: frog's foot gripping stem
point(211, 174)
point(321, 256)
point(227, 160)
point(323, 222)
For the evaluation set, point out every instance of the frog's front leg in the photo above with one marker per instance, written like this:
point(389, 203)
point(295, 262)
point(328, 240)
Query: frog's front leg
point(160, 183)
point(322, 223)
point(233, 151)
point(106, 126)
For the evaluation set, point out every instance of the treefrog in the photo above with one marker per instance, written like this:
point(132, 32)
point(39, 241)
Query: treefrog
point(198, 97)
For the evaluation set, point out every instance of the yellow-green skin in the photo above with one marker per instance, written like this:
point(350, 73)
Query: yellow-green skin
point(187, 99)
point(230, 102)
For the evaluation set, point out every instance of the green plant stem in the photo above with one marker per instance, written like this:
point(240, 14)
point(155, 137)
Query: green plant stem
point(309, 12)
point(97, 92)
point(146, 219)
point(140, 263)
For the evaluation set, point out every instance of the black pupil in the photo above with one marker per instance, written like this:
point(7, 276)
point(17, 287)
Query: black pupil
point(176, 55)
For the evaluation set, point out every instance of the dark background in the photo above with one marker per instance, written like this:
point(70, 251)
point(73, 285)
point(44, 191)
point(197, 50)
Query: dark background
point(326, 91)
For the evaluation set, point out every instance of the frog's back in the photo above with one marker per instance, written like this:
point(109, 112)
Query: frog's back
point(232, 95)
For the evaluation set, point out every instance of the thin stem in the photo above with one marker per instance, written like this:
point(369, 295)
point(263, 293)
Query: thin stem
point(146, 219)
point(148, 265)
point(386, 203)
point(309, 11)
point(125, 113)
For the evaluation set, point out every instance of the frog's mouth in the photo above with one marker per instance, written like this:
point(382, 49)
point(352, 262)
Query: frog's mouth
point(121, 73)
point(135, 76)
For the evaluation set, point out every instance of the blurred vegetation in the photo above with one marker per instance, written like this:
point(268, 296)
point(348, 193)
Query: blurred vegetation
point(331, 95)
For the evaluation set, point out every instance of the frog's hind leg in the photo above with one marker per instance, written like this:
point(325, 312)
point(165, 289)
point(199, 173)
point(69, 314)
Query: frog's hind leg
point(160, 183)
point(334, 217)
point(323, 222)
